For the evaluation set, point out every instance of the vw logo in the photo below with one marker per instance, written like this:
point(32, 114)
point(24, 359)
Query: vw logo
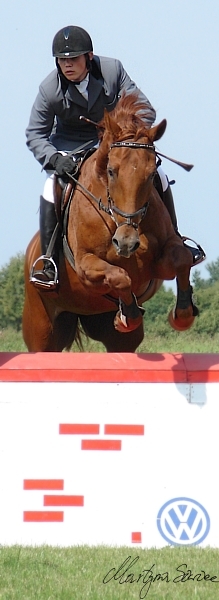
point(183, 521)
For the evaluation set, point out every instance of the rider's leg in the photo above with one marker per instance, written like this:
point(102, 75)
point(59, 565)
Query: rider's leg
point(48, 222)
point(167, 197)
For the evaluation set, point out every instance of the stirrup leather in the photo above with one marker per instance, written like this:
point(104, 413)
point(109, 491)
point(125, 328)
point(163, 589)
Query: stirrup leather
point(34, 274)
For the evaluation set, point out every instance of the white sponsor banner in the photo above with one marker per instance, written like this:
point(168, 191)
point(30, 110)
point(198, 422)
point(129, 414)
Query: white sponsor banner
point(109, 463)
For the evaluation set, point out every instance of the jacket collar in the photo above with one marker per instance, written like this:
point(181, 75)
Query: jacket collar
point(94, 89)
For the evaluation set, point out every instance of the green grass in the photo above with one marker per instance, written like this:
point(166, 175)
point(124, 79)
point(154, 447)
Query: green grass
point(180, 343)
point(12, 341)
point(77, 573)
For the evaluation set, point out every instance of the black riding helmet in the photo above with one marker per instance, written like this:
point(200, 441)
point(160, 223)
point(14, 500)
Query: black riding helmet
point(70, 42)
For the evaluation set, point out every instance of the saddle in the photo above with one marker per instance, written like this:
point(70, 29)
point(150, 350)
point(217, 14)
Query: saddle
point(64, 186)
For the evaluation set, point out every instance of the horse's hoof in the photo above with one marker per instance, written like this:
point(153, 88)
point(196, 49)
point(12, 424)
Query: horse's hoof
point(128, 318)
point(178, 323)
point(125, 325)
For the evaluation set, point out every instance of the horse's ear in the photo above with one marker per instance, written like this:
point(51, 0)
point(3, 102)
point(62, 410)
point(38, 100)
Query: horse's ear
point(157, 131)
point(111, 125)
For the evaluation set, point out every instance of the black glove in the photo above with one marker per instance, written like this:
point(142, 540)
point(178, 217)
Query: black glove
point(62, 164)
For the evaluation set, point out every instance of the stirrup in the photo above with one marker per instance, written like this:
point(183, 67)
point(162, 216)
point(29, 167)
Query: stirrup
point(198, 253)
point(49, 285)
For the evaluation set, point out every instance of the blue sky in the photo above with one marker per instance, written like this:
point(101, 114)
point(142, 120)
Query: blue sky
point(169, 48)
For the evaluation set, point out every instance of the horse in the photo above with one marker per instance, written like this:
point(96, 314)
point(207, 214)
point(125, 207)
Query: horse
point(122, 245)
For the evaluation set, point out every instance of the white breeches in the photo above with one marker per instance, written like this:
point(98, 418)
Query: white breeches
point(163, 178)
point(48, 192)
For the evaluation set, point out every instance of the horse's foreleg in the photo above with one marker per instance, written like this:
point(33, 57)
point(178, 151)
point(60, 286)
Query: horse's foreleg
point(183, 315)
point(178, 259)
point(104, 278)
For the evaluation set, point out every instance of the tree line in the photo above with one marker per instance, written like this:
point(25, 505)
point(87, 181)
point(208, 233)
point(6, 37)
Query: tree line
point(206, 297)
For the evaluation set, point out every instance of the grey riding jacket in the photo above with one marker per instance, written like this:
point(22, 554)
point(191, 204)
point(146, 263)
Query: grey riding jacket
point(54, 123)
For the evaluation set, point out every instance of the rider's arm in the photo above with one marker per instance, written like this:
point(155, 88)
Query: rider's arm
point(117, 81)
point(39, 129)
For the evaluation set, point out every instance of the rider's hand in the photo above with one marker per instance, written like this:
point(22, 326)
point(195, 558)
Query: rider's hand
point(62, 164)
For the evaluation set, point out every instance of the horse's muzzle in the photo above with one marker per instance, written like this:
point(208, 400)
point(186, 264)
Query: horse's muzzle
point(126, 240)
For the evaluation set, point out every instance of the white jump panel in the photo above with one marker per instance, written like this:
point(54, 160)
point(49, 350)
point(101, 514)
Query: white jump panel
point(109, 449)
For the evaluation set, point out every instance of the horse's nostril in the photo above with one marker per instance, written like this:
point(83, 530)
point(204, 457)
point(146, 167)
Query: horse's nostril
point(115, 242)
point(136, 246)
point(125, 247)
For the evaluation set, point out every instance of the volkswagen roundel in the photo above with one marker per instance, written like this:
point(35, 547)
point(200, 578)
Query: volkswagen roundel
point(183, 521)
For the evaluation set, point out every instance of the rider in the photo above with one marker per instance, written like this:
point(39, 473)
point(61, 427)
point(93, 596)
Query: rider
point(81, 84)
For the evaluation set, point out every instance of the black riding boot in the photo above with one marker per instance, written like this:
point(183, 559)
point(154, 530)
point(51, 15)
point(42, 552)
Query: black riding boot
point(198, 253)
point(47, 278)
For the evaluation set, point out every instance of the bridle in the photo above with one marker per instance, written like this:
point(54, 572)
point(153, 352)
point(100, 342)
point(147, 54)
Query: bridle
point(142, 211)
point(112, 209)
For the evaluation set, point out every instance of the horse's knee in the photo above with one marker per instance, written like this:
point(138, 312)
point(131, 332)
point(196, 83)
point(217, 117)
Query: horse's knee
point(176, 260)
point(181, 257)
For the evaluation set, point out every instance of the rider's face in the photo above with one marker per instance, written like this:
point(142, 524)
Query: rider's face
point(74, 69)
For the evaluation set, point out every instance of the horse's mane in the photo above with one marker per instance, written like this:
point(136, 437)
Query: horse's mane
point(127, 120)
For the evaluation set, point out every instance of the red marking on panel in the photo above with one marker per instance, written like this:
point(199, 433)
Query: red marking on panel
point(35, 516)
point(136, 537)
point(43, 484)
point(63, 500)
point(79, 428)
point(124, 429)
point(101, 444)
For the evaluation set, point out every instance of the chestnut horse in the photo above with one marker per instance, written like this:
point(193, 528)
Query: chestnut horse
point(122, 242)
